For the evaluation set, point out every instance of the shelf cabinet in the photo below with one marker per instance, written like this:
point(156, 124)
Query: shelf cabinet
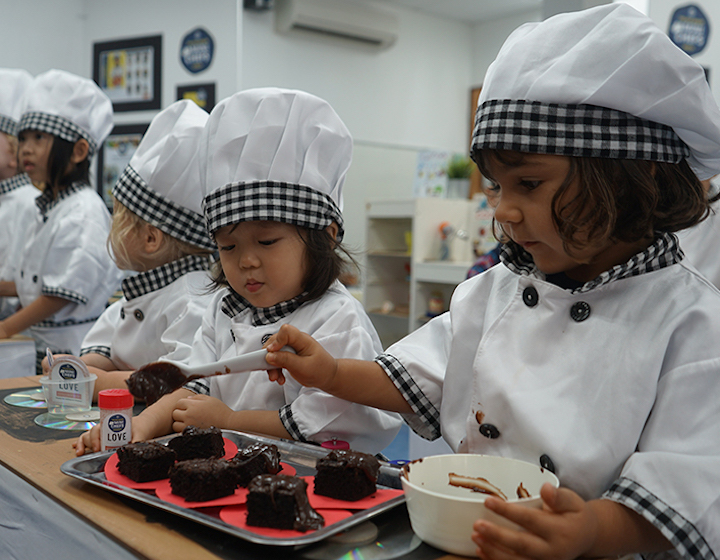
point(402, 268)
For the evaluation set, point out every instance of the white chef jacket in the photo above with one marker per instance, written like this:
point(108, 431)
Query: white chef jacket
point(615, 386)
point(338, 322)
point(157, 316)
point(17, 214)
point(701, 245)
point(66, 256)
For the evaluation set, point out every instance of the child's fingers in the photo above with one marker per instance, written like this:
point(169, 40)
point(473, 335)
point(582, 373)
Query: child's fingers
point(529, 519)
point(560, 500)
point(289, 335)
point(500, 542)
point(277, 376)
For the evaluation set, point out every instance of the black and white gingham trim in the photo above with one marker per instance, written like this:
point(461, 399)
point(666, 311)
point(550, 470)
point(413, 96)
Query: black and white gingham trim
point(682, 534)
point(573, 130)
point(233, 303)
point(64, 294)
point(198, 386)
point(411, 392)
point(67, 323)
point(14, 182)
point(8, 125)
point(271, 201)
point(286, 417)
point(102, 350)
point(134, 193)
point(45, 201)
point(56, 125)
point(664, 251)
point(157, 278)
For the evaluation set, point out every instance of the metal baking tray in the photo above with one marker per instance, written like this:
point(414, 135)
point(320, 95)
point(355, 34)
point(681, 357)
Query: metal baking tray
point(90, 469)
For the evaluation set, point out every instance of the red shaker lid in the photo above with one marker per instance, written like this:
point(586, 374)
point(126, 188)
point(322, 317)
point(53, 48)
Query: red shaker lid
point(335, 443)
point(115, 398)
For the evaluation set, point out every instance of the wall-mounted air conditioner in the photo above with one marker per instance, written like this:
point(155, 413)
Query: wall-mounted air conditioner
point(350, 20)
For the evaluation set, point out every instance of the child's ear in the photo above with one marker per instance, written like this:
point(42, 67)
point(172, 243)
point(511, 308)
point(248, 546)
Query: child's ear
point(153, 239)
point(333, 230)
point(80, 152)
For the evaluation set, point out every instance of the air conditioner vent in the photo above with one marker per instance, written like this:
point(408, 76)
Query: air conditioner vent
point(361, 23)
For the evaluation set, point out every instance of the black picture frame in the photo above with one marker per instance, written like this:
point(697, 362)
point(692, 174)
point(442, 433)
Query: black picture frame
point(202, 94)
point(129, 71)
point(114, 154)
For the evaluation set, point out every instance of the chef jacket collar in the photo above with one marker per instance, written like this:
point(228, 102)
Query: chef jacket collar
point(233, 304)
point(45, 201)
point(14, 182)
point(157, 278)
point(664, 251)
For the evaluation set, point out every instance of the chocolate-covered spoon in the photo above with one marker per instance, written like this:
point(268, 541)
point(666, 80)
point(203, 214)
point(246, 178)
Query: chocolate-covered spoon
point(156, 379)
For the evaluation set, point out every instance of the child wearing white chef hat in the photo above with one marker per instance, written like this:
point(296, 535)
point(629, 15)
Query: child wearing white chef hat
point(17, 193)
point(591, 350)
point(159, 231)
point(65, 275)
point(273, 164)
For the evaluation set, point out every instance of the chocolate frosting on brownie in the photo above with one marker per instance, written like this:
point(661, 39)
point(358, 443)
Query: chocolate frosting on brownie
point(197, 443)
point(276, 486)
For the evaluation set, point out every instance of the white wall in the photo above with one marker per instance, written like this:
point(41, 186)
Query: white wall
point(39, 35)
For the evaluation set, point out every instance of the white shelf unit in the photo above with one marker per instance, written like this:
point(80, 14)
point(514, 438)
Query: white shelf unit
point(402, 269)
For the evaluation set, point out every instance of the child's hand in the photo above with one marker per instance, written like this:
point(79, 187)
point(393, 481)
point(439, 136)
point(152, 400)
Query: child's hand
point(565, 528)
point(88, 442)
point(312, 366)
point(201, 411)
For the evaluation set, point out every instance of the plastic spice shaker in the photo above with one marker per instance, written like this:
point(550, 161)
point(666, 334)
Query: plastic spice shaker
point(116, 407)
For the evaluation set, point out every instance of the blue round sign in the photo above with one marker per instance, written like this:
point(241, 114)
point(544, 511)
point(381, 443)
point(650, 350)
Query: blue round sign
point(196, 50)
point(689, 29)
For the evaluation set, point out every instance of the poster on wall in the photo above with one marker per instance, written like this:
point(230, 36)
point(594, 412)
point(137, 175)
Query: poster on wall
point(129, 72)
point(430, 174)
point(689, 29)
point(196, 50)
point(202, 94)
point(114, 155)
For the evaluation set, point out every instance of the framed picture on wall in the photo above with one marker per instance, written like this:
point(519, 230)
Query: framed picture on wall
point(202, 94)
point(114, 155)
point(129, 71)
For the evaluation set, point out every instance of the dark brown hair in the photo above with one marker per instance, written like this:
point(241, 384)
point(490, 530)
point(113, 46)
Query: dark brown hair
point(58, 161)
point(622, 200)
point(325, 260)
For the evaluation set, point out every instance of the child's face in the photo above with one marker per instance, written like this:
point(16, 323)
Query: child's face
point(8, 158)
point(264, 262)
point(524, 192)
point(34, 154)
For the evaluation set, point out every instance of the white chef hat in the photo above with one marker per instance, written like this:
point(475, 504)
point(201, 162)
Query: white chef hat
point(161, 183)
point(68, 106)
point(603, 82)
point(13, 83)
point(274, 154)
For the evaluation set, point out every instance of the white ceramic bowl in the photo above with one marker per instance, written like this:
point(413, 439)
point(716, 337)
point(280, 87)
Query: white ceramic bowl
point(442, 515)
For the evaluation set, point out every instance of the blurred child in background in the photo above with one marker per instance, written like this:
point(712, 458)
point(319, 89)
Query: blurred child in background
point(65, 275)
point(17, 193)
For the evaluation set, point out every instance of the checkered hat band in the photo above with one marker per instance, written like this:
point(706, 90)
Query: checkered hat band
point(271, 201)
point(173, 219)
point(57, 125)
point(573, 130)
point(8, 125)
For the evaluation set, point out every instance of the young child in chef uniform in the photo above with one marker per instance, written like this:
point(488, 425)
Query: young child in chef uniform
point(65, 275)
point(17, 193)
point(157, 230)
point(273, 164)
point(592, 349)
